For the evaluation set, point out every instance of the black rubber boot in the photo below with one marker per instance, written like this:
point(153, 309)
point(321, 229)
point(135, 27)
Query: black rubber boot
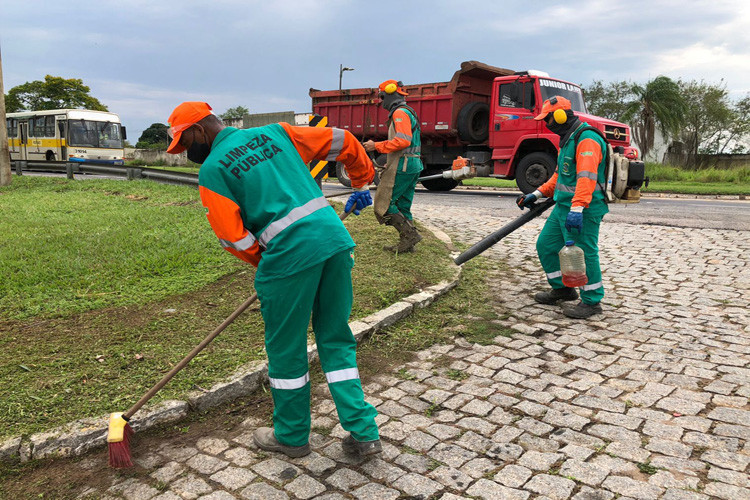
point(556, 295)
point(582, 311)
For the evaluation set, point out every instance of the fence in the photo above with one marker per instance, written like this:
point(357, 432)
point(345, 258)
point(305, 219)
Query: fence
point(724, 161)
point(156, 157)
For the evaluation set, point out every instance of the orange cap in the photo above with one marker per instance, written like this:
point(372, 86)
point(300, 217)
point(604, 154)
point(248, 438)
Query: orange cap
point(551, 105)
point(391, 86)
point(182, 118)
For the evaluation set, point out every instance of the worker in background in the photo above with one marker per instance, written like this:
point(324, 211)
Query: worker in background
point(395, 192)
point(578, 188)
point(266, 209)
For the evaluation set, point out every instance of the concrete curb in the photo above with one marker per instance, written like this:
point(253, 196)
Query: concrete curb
point(76, 438)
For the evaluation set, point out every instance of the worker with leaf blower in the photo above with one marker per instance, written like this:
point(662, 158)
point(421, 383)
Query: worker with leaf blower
point(266, 209)
point(395, 193)
point(578, 186)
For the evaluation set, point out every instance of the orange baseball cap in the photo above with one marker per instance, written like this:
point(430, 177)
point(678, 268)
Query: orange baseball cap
point(391, 86)
point(182, 118)
point(551, 105)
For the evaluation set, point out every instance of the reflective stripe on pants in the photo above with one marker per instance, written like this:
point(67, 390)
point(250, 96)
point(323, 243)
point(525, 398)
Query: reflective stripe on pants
point(325, 291)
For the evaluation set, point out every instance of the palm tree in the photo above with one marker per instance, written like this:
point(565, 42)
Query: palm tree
point(658, 103)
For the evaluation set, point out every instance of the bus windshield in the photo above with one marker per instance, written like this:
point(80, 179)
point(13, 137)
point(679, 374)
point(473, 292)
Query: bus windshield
point(551, 88)
point(93, 134)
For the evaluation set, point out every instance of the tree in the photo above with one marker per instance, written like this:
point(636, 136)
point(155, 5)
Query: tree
point(235, 113)
point(713, 124)
point(608, 100)
point(658, 103)
point(54, 92)
point(155, 136)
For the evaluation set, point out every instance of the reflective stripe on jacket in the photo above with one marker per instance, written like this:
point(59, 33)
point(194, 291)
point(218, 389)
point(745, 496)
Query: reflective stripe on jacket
point(262, 200)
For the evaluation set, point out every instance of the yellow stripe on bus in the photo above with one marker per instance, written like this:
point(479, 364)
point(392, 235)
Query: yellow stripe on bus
point(38, 143)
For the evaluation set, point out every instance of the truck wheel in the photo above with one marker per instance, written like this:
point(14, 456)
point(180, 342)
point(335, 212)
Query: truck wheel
point(342, 176)
point(533, 170)
point(344, 179)
point(473, 122)
point(438, 184)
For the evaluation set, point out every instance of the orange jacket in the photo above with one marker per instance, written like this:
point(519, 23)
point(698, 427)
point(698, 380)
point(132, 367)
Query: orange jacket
point(588, 156)
point(402, 139)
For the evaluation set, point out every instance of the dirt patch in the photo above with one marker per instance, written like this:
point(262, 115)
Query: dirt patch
point(68, 478)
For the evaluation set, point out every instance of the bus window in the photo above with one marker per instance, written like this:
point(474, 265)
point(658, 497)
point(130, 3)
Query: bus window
point(49, 126)
point(12, 127)
point(87, 133)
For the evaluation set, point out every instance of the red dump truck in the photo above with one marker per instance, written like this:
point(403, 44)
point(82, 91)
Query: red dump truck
point(483, 113)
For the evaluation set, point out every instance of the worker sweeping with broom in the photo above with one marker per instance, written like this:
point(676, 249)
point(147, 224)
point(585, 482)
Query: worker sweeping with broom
point(266, 209)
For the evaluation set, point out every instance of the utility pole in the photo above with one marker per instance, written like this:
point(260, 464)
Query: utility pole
point(341, 73)
point(5, 176)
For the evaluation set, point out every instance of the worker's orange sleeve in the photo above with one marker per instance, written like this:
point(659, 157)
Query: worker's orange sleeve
point(333, 144)
point(548, 188)
point(588, 158)
point(224, 216)
point(402, 140)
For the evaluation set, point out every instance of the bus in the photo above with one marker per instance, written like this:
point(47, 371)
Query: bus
point(69, 135)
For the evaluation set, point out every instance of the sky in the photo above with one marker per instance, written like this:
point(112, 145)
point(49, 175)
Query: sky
point(141, 58)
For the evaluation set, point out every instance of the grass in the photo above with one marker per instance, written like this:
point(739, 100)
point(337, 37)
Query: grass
point(107, 284)
point(436, 324)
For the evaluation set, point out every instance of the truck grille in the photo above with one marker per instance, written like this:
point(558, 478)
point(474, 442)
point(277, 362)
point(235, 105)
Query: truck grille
point(619, 134)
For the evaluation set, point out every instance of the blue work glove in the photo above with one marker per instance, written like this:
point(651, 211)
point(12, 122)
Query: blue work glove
point(358, 200)
point(574, 220)
point(526, 200)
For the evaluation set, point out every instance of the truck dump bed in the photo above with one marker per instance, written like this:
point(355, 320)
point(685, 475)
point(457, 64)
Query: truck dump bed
point(436, 104)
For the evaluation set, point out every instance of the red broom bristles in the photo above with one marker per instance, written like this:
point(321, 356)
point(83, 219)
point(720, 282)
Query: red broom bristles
point(119, 453)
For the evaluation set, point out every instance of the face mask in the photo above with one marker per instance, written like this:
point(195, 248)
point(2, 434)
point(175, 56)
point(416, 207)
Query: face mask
point(198, 152)
point(562, 129)
point(391, 100)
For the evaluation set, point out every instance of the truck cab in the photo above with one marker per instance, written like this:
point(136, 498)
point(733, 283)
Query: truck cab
point(523, 148)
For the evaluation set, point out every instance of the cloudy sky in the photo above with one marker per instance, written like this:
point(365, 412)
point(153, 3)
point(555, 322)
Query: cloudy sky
point(143, 57)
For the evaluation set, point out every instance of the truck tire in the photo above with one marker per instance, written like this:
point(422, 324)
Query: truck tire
point(342, 176)
point(533, 170)
point(438, 184)
point(473, 122)
point(344, 179)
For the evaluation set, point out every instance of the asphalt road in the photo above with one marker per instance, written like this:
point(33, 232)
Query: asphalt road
point(679, 212)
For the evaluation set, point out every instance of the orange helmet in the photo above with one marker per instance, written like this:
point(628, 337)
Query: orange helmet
point(391, 86)
point(557, 106)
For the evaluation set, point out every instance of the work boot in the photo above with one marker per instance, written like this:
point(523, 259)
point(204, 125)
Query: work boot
point(556, 295)
point(354, 447)
point(582, 311)
point(266, 440)
point(408, 235)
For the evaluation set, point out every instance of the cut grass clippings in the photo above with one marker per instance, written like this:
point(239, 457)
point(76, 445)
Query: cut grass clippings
point(108, 284)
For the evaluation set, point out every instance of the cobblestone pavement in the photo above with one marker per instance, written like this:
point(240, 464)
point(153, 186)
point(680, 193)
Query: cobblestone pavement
point(648, 400)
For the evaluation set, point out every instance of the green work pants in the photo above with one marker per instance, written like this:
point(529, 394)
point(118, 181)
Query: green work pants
point(403, 193)
point(552, 239)
point(325, 291)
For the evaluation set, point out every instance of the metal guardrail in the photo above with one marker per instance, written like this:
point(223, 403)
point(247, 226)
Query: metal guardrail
point(125, 171)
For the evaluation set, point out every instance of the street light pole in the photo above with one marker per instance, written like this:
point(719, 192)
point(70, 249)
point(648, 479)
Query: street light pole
point(341, 73)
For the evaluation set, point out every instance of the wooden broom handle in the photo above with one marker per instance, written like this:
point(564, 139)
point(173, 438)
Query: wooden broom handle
point(189, 357)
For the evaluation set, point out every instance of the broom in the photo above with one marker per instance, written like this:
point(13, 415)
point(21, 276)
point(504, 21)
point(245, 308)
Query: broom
point(120, 432)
